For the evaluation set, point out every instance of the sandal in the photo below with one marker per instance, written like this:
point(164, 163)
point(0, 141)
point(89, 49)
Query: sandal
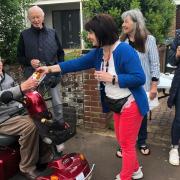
point(144, 149)
point(119, 152)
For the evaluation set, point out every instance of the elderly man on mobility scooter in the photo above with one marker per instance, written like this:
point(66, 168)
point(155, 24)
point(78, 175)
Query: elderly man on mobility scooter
point(71, 166)
point(12, 123)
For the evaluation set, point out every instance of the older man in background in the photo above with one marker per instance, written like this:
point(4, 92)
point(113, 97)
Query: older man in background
point(40, 45)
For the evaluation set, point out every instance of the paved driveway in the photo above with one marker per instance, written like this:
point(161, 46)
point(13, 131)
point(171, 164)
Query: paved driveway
point(100, 149)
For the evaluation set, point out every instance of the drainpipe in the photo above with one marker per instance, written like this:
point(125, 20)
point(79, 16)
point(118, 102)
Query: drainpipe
point(81, 24)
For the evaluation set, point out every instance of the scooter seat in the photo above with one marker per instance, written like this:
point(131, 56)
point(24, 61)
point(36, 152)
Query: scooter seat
point(6, 140)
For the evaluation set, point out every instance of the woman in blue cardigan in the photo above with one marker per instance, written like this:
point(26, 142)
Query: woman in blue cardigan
point(117, 67)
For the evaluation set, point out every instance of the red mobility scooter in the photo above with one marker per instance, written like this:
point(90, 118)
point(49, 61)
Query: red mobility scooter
point(73, 166)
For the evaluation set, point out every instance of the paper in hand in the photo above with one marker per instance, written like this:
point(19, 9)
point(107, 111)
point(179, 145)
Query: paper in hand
point(152, 103)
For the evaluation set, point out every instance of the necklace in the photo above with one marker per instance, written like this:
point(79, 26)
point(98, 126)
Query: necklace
point(106, 64)
point(106, 58)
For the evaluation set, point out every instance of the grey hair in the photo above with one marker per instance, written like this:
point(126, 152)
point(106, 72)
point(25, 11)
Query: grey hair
point(35, 8)
point(137, 17)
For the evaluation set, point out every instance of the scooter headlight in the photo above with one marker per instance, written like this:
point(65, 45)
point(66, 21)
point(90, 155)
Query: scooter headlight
point(82, 157)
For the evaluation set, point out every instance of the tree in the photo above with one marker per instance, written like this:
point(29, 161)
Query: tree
point(159, 14)
point(11, 23)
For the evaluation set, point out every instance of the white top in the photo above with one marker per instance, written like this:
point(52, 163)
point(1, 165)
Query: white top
point(114, 91)
point(150, 61)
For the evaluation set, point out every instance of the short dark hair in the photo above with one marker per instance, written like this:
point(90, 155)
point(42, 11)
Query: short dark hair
point(105, 29)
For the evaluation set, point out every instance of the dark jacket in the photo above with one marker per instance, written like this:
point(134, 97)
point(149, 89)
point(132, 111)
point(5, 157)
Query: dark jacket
point(172, 52)
point(42, 44)
point(175, 62)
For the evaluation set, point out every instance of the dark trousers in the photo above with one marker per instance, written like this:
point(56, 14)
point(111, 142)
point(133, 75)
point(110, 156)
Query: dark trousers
point(175, 130)
point(142, 136)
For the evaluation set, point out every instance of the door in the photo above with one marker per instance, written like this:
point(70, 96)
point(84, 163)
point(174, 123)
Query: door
point(67, 25)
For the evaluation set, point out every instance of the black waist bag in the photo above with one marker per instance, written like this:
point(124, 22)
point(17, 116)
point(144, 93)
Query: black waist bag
point(116, 105)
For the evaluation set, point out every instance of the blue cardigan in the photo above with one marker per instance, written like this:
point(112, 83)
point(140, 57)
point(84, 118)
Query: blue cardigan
point(127, 66)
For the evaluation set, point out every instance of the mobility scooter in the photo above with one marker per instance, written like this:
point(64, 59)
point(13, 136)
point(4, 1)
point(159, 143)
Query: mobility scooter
point(73, 166)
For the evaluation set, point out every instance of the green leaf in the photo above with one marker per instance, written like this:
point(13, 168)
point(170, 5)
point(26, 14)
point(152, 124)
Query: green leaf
point(158, 14)
point(11, 24)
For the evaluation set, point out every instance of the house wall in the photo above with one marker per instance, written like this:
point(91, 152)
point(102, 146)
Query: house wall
point(172, 28)
point(176, 22)
point(48, 11)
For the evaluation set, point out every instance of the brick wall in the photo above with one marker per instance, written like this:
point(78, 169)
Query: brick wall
point(80, 90)
point(176, 22)
point(172, 28)
point(93, 116)
point(73, 95)
point(162, 57)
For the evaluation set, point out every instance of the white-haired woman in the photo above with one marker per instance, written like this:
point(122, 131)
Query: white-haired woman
point(136, 34)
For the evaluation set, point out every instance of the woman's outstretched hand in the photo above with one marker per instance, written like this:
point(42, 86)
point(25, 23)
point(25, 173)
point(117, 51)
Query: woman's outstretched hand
point(49, 69)
point(43, 70)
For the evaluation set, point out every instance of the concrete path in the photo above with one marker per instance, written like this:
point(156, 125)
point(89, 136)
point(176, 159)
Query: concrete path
point(100, 149)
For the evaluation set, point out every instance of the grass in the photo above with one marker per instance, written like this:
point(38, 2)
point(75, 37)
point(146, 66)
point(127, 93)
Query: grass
point(72, 54)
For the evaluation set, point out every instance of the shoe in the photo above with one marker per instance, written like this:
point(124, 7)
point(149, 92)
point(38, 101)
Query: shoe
point(47, 140)
point(60, 147)
point(144, 149)
point(119, 152)
point(34, 174)
point(174, 157)
point(138, 174)
point(118, 177)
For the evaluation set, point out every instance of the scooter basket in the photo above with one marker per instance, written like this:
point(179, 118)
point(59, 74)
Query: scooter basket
point(69, 115)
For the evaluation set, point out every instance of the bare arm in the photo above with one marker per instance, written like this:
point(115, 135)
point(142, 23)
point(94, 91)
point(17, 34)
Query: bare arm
point(49, 69)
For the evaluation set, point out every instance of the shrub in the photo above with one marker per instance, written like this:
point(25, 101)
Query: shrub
point(159, 15)
point(11, 23)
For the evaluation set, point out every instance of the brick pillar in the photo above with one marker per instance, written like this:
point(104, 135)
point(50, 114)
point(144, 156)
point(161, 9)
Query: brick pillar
point(162, 57)
point(93, 115)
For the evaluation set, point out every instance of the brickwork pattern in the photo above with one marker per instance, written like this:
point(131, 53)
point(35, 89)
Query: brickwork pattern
point(159, 127)
point(94, 118)
point(73, 93)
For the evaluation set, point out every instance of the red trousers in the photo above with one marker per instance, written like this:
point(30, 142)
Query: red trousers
point(127, 125)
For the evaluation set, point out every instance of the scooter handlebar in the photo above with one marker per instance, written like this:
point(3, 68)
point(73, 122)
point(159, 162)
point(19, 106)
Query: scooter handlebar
point(6, 97)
